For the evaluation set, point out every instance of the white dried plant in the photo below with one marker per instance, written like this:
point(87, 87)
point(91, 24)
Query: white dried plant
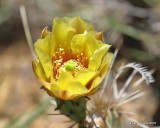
point(107, 108)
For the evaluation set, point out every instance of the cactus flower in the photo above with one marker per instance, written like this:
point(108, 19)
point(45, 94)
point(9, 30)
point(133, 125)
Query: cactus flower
point(72, 59)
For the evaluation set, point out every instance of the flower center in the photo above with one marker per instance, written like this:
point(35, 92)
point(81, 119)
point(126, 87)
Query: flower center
point(70, 65)
point(67, 61)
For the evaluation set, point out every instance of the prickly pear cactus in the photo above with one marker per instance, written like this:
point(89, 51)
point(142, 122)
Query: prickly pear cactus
point(74, 109)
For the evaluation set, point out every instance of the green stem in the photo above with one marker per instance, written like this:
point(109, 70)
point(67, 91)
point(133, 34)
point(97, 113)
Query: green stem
point(73, 109)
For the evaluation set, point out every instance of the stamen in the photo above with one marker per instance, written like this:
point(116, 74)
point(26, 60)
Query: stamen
point(69, 62)
point(57, 61)
point(82, 59)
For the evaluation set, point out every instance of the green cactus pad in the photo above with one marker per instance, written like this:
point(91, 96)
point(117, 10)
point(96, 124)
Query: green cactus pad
point(73, 109)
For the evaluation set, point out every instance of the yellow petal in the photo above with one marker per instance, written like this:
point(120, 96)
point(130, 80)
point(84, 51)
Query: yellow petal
point(102, 72)
point(38, 70)
point(92, 44)
point(56, 91)
point(80, 25)
point(105, 66)
point(66, 87)
point(78, 43)
point(52, 89)
point(45, 32)
point(77, 89)
point(43, 45)
point(47, 45)
point(44, 57)
point(62, 31)
point(96, 58)
point(67, 82)
point(99, 36)
point(95, 83)
point(52, 45)
point(85, 76)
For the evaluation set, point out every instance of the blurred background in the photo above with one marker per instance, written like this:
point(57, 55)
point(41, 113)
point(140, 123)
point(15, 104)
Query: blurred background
point(131, 25)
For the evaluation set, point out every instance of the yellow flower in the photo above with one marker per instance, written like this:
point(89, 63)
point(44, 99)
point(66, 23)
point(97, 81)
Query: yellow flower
point(72, 59)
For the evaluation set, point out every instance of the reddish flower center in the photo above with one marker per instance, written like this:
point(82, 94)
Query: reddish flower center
point(61, 57)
